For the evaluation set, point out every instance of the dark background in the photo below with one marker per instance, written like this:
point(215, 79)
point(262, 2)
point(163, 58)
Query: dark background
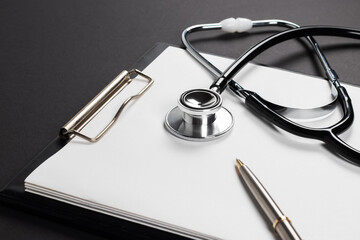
point(56, 55)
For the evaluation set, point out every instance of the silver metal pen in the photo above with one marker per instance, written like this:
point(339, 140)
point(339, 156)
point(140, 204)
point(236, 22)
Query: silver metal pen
point(281, 224)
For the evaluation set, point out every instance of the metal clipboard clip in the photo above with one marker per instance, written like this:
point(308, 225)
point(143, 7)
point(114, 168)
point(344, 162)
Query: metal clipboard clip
point(85, 115)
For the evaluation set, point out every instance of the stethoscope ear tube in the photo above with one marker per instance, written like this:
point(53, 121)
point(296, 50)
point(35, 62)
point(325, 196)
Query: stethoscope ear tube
point(327, 135)
point(259, 106)
point(341, 148)
point(222, 82)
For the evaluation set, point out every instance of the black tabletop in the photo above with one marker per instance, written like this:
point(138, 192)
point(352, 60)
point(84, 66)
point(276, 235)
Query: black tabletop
point(56, 55)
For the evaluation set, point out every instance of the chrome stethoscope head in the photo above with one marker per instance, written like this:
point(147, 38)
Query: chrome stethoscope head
point(199, 116)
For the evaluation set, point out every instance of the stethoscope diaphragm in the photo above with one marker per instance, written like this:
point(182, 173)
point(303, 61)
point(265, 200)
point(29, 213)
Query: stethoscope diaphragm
point(199, 116)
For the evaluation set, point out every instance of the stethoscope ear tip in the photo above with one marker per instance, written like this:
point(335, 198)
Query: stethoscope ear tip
point(199, 116)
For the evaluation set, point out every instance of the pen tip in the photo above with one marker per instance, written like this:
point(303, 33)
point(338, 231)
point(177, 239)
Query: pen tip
point(239, 163)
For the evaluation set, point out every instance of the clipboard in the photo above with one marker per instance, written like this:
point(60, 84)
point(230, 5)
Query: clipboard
point(282, 145)
point(14, 195)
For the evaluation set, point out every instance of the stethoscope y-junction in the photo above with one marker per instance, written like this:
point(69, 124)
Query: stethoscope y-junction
point(200, 116)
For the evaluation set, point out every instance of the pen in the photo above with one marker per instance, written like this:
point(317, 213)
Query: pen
point(281, 224)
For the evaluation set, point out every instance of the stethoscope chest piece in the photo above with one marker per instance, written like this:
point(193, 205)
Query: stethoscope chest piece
point(199, 116)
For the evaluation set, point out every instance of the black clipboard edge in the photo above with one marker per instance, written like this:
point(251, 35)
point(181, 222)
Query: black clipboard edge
point(14, 195)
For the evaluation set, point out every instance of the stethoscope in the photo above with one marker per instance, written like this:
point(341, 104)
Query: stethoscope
point(200, 115)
